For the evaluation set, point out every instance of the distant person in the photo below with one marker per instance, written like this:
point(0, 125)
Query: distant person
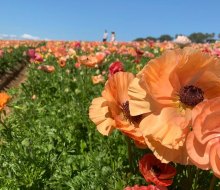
point(112, 37)
point(105, 36)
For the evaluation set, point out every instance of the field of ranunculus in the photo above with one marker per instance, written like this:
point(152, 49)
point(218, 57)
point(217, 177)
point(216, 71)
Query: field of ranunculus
point(111, 116)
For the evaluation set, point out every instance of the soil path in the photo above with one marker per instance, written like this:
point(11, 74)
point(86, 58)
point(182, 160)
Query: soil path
point(19, 78)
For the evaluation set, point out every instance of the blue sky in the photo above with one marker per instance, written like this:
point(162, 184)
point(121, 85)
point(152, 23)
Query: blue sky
point(87, 19)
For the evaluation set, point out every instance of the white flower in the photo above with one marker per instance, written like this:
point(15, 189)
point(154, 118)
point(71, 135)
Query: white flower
point(182, 40)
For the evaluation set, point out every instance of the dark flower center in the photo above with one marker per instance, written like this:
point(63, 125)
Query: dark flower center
point(127, 115)
point(191, 95)
point(156, 170)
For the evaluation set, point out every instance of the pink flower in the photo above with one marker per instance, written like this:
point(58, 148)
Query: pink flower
point(216, 52)
point(115, 67)
point(31, 53)
point(77, 65)
point(38, 57)
point(203, 142)
point(34, 56)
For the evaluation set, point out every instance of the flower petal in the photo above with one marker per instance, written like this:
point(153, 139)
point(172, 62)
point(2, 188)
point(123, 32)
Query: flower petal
point(169, 128)
point(99, 114)
point(138, 104)
point(198, 153)
point(166, 155)
point(116, 88)
point(155, 77)
point(215, 159)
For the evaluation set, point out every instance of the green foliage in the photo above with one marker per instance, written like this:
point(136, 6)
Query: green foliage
point(12, 58)
point(200, 37)
point(165, 37)
point(49, 141)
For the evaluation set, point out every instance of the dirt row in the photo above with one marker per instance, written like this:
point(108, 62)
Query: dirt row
point(13, 78)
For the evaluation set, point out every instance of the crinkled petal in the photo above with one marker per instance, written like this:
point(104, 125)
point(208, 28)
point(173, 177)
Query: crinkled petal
point(166, 155)
point(170, 127)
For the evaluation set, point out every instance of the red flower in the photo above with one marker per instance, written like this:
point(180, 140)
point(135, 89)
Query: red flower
point(115, 67)
point(77, 45)
point(149, 187)
point(139, 52)
point(154, 171)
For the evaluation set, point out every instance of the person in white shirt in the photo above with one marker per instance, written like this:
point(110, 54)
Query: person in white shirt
point(105, 36)
point(112, 37)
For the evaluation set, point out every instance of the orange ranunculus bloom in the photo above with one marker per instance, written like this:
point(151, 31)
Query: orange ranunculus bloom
point(203, 142)
point(98, 79)
point(167, 89)
point(111, 110)
point(4, 97)
point(62, 62)
point(92, 60)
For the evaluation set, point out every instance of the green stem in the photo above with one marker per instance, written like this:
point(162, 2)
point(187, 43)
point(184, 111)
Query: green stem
point(8, 130)
point(196, 178)
point(130, 154)
point(212, 183)
point(3, 124)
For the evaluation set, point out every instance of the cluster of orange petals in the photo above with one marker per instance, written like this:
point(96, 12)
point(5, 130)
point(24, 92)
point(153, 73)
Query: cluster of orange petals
point(91, 60)
point(171, 107)
point(4, 97)
point(156, 92)
point(111, 110)
point(98, 79)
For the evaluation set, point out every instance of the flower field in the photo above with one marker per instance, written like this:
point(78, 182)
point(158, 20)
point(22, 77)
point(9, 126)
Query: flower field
point(110, 116)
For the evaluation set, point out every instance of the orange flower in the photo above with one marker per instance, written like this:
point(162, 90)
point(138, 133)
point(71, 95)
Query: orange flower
point(97, 79)
point(46, 68)
point(167, 89)
point(62, 62)
point(4, 97)
point(111, 111)
point(203, 142)
point(91, 60)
